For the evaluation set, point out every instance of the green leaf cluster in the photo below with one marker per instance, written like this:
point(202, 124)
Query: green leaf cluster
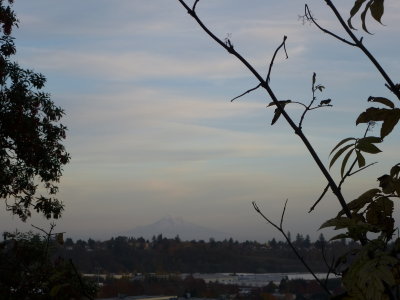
point(374, 268)
point(367, 277)
point(357, 146)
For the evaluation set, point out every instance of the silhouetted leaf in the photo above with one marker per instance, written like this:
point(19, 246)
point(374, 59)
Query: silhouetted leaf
point(368, 147)
point(379, 213)
point(390, 122)
point(339, 236)
point(396, 185)
point(377, 10)
point(382, 100)
point(364, 14)
point(365, 277)
point(338, 153)
point(395, 171)
point(346, 158)
point(369, 194)
point(338, 223)
point(358, 203)
point(360, 159)
point(325, 102)
point(341, 143)
point(372, 114)
point(277, 113)
point(386, 184)
point(356, 7)
point(370, 139)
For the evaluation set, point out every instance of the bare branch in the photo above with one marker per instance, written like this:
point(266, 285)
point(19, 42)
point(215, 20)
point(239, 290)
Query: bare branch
point(363, 168)
point(320, 198)
point(273, 58)
point(283, 214)
point(280, 229)
point(296, 102)
point(265, 218)
point(194, 5)
point(246, 92)
point(42, 230)
point(309, 17)
point(315, 107)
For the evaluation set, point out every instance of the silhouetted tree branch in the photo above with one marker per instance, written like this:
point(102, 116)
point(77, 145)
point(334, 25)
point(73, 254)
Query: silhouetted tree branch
point(281, 230)
point(229, 47)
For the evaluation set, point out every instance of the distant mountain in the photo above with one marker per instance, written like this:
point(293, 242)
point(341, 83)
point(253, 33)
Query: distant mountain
point(170, 227)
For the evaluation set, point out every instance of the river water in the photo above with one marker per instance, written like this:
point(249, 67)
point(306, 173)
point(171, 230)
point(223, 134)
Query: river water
point(252, 279)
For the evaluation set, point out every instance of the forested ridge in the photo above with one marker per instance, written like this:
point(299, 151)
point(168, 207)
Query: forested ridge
point(160, 254)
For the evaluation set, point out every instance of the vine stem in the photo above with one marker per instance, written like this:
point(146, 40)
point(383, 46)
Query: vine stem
point(229, 47)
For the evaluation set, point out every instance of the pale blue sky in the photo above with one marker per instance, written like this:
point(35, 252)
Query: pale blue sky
point(152, 131)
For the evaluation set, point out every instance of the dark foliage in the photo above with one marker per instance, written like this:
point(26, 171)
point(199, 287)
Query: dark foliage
point(170, 285)
point(31, 153)
point(29, 270)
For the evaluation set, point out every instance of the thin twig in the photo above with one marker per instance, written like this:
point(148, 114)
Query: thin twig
point(194, 5)
point(309, 17)
point(296, 102)
point(311, 102)
point(280, 229)
point(264, 217)
point(42, 230)
point(330, 267)
point(246, 92)
point(283, 213)
point(47, 235)
point(320, 198)
point(363, 168)
point(273, 58)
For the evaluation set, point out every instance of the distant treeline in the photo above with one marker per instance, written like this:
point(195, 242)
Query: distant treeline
point(160, 254)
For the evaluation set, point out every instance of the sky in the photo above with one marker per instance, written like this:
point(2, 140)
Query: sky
point(152, 131)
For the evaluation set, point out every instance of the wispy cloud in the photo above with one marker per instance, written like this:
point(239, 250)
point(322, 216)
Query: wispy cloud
point(151, 128)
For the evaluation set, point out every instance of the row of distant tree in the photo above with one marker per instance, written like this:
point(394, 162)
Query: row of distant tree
point(160, 254)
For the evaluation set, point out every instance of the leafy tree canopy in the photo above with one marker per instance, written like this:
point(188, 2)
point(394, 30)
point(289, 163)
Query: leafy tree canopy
point(31, 153)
